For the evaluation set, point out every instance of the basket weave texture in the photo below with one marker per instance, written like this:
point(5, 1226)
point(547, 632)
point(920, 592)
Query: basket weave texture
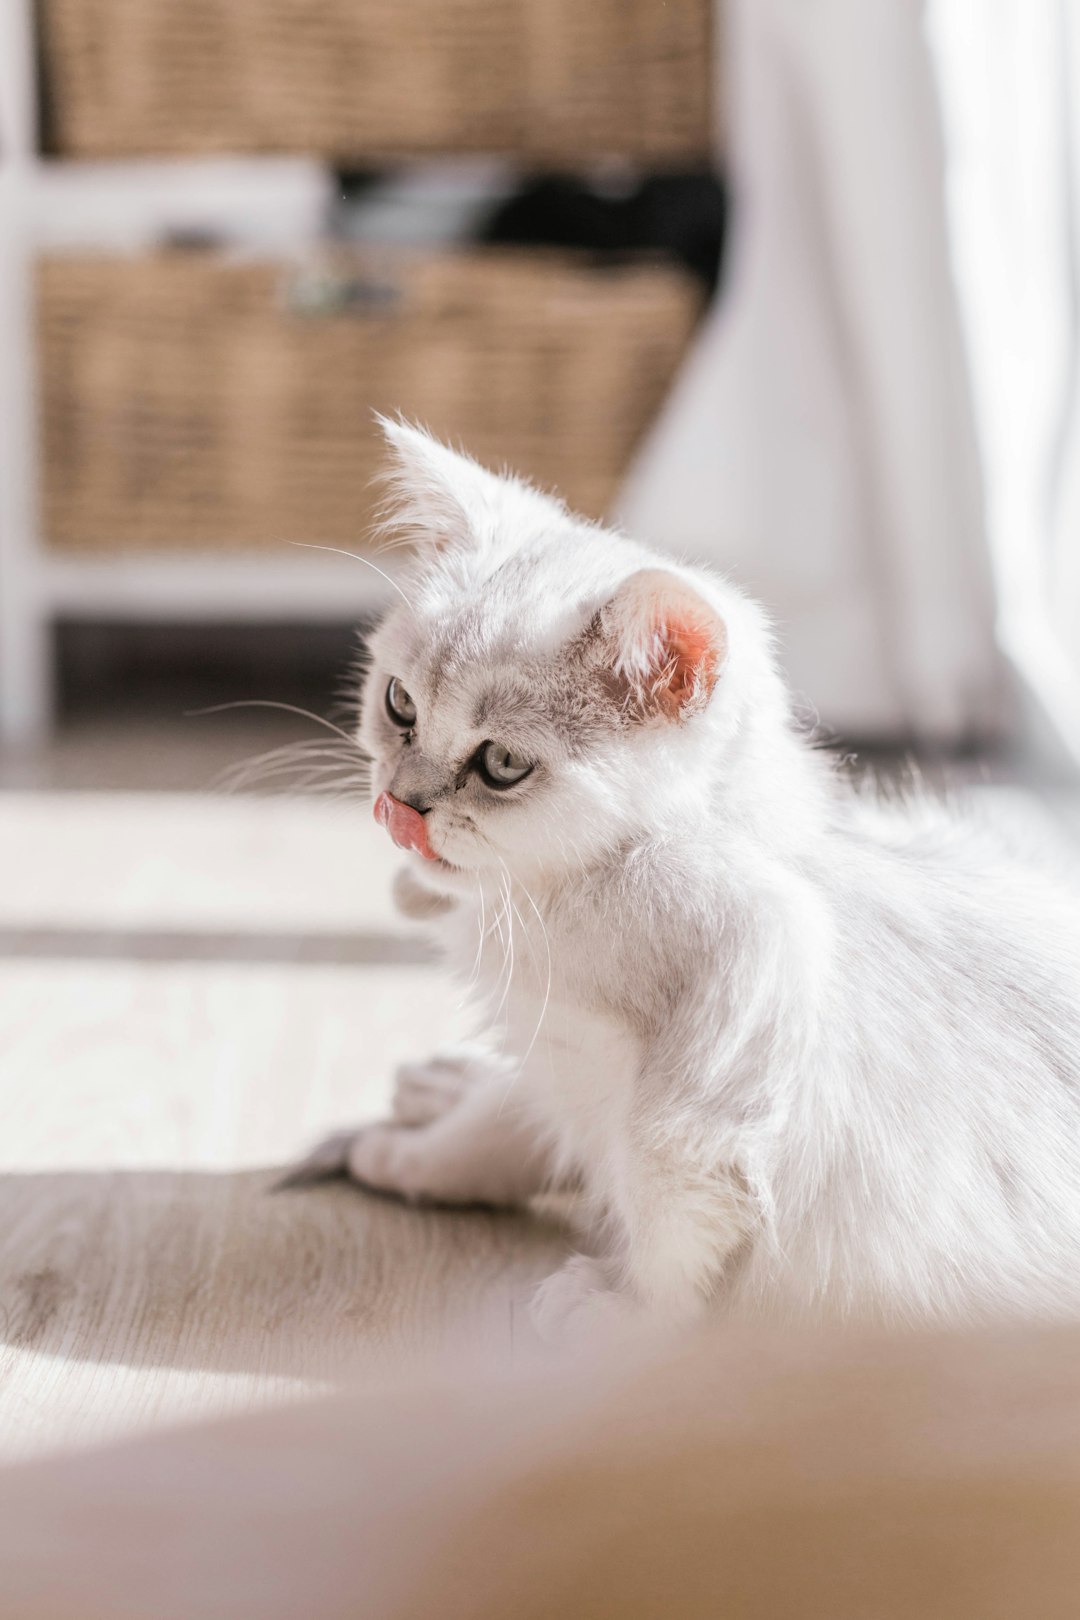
point(550, 80)
point(187, 403)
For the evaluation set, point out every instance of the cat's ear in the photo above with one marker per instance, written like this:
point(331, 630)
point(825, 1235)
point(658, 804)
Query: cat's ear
point(437, 496)
point(663, 643)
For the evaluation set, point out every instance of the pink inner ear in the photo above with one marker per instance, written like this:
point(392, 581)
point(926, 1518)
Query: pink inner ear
point(666, 641)
point(692, 665)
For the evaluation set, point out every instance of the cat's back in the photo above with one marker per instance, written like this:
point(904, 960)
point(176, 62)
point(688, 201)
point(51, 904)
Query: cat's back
point(992, 869)
point(942, 1110)
point(957, 984)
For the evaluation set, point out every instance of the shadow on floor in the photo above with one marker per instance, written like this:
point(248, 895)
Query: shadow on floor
point(212, 1271)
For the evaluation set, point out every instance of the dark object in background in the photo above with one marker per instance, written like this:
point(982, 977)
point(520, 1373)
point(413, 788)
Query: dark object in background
point(680, 215)
point(120, 667)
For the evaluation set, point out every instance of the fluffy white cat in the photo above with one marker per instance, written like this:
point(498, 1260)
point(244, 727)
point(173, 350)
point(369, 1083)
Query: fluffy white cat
point(805, 1057)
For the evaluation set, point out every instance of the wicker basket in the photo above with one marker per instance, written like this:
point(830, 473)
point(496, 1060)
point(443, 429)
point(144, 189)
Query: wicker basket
point(552, 80)
point(193, 402)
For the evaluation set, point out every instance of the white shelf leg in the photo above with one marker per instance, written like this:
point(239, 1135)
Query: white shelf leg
point(26, 676)
point(25, 633)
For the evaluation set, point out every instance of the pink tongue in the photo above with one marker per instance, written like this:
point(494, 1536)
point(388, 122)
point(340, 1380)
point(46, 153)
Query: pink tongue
point(405, 825)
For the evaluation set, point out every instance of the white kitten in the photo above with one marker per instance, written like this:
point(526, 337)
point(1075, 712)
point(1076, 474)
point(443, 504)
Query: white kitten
point(805, 1057)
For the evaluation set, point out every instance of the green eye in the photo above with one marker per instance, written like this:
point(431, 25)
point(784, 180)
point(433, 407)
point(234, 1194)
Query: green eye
point(399, 705)
point(500, 768)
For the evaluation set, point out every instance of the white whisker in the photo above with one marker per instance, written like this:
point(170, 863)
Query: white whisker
point(547, 988)
point(338, 551)
point(286, 708)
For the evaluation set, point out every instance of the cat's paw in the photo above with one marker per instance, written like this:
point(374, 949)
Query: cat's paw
point(424, 1092)
point(434, 1164)
point(577, 1306)
point(389, 1158)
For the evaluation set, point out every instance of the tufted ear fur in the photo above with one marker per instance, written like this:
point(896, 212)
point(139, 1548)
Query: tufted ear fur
point(664, 644)
point(441, 498)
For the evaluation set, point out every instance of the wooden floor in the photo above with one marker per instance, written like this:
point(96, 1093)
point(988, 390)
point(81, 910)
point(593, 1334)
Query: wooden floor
point(192, 991)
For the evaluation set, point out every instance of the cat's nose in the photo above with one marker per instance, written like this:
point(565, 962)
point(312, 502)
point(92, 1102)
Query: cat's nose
point(405, 825)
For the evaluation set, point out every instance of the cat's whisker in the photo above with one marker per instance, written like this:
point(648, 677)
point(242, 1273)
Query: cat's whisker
point(338, 551)
point(509, 954)
point(475, 974)
point(510, 910)
point(315, 757)
point(547, 987)
point(495, 927)
point(322, 759)
point(301, 752)
point(285, 708)
point(526, 1054)
point(293, 776)
point(334, 790)
point(338, 777)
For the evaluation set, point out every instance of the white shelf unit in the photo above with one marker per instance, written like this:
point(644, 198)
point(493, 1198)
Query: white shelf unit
point(54, 205)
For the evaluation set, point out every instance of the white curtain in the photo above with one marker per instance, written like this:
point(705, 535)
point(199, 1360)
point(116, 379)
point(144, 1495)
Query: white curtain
point(843, 438)
point(1009, 76)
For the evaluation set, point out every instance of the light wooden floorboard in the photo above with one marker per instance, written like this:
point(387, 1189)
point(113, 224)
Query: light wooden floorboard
point(172, 860)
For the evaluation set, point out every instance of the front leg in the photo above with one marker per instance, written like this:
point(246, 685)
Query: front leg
point(677, 1222)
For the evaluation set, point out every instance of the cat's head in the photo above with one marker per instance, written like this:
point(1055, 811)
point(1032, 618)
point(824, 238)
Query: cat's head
point(547, 689)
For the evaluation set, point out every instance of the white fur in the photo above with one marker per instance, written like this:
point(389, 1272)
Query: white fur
point(807, 1056)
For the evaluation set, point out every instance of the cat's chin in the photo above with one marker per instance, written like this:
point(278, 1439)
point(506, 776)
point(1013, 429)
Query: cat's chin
point(440, 874)
point(418, 900)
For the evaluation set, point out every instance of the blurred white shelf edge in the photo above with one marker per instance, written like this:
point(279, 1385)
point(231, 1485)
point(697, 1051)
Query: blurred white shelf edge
point(213, 587)
point(267, 203)
point(258, 203)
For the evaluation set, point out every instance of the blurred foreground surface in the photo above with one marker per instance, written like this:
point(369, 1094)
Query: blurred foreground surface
point(744, 1477)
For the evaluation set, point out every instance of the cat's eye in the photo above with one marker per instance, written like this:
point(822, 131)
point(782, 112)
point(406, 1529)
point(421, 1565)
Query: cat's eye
point(399, 705)
point(499, 767)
